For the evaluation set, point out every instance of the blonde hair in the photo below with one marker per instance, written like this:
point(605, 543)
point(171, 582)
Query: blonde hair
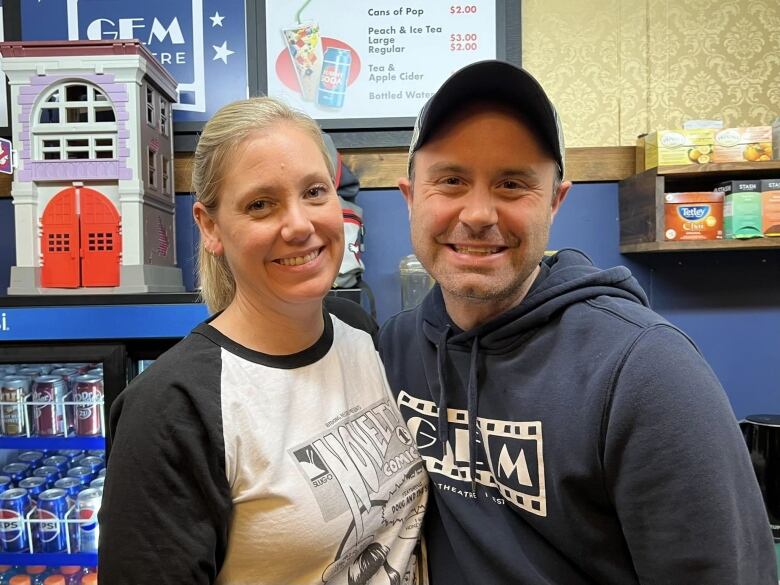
point(228, 128)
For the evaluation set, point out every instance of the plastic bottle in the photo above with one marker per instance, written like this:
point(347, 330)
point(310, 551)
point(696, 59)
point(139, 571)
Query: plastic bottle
point(37, 574)
point(415, 281)
point(72, 574)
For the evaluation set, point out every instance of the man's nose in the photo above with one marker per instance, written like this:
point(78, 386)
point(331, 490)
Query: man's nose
point(297, 224)
point(479, 210)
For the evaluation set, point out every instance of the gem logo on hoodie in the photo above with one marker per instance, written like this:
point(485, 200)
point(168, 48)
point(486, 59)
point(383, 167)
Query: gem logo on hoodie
point(509, 458)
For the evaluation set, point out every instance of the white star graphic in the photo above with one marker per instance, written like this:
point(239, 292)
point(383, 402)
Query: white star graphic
point(222, 52)
point(216, 20)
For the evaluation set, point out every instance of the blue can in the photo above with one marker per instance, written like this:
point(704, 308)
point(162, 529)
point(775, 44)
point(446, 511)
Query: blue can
point(95, 464)
point(16, 471)
point(59, 461)
point(71, 454)
point(34, 486)
point(83, 474)
point(102, 472)
point(52, 529)
point(49, 472)
point(5, 483)
point(14, 504)
point(33, 458)
point(336, 64)
point(97, 453)
point(71, 485)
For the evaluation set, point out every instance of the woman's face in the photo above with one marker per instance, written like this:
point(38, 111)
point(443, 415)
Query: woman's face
point(278, 222)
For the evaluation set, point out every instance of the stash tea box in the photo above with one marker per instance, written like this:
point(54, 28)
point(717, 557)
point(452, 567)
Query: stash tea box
point(770, 207)
point(741, 209)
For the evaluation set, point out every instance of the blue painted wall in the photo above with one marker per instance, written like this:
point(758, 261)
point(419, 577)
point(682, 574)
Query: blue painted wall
point(728, 302)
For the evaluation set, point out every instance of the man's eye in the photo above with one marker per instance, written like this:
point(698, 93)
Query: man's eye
point(452, 181)
point(511, 184)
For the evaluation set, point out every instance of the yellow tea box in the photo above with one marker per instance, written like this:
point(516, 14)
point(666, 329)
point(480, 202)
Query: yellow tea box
point(678, 147)
point(743, 144)
point(770, 207)
point(696, 215)
point(741, 209)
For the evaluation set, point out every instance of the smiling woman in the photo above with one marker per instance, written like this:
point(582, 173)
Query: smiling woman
point(265, 447)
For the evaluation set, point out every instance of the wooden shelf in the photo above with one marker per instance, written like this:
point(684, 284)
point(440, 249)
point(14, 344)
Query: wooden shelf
point(735, 168)
point(702, 246)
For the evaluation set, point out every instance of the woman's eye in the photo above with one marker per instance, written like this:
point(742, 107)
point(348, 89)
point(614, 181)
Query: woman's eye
point(259, 205)
point(316, 191)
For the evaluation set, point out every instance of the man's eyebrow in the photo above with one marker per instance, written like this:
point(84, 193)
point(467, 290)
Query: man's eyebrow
point(447, 167)
point(522, 172)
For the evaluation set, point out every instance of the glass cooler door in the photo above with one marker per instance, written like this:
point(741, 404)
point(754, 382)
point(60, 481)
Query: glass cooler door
point(53, 414)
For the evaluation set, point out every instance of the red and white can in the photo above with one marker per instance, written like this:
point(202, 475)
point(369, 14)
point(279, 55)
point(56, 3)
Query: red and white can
point(48, 395)
point(88, 397)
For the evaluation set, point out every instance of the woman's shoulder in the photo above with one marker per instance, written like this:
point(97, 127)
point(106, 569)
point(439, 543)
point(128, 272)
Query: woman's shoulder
point(352, 314)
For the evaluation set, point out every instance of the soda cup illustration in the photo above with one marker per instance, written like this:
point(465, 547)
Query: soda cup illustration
point(303, 44)
point(335, 75)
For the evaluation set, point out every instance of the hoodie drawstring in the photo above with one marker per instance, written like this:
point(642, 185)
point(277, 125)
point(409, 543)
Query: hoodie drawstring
point(471, 398)
point(441, 367)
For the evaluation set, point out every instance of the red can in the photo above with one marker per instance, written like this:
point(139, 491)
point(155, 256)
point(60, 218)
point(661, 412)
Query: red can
point(88, 396)
point(48, 395)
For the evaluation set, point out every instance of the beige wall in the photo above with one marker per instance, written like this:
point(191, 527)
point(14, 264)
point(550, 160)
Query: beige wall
point(618, 68)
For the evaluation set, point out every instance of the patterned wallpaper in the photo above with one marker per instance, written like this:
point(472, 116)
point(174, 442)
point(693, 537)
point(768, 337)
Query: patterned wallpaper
point(617, 68)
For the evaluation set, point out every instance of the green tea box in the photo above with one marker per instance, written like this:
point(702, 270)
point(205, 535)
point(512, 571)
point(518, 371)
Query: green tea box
point(741, 209)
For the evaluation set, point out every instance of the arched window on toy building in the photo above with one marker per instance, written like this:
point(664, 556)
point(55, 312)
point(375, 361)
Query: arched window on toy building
point(74, 120)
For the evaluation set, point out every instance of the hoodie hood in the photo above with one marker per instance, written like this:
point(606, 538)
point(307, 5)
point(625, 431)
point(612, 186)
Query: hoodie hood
point(566, 278)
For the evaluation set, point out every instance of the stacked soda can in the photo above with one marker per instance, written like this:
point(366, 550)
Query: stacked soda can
point(60, 493)
point(51, 400)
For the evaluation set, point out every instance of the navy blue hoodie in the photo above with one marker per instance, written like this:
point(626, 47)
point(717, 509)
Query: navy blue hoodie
point(586, 441)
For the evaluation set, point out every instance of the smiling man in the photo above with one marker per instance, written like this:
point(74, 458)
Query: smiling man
point(573, 436)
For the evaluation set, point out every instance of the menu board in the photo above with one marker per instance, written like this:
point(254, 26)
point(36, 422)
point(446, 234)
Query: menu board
point(375, 59)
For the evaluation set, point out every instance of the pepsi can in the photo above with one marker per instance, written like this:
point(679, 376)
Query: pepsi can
point(71, 485)
point(102, 472)
point(87, 506)
point(34, 458)
point(48, 472)
point(83, 474)
point(5, 483)
point(34, 486)
point(98, 483)
point(71, 454)
point(336, 64)
point(51, 511)
point(58, 461)
point(13, 507)
point(95, 464)
point(16, 471)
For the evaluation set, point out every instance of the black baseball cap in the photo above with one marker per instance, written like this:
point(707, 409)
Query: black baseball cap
point(497, 81)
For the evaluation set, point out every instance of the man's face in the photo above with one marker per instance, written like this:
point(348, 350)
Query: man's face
point(480, 207)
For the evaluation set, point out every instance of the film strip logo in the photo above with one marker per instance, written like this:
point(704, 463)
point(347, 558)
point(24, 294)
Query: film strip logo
point(507, 444)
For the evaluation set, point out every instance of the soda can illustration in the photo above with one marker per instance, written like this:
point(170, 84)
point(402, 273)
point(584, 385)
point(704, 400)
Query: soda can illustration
point(48, 409)
point(88, 397)
point(34, 486)
point(87, 506)
point(334, 77)
point(52, 531)
point(13, 507)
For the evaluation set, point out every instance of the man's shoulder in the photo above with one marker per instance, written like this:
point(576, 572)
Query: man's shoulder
point(398, 329)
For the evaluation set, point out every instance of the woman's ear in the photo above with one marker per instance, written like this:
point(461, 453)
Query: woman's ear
point(209, 230)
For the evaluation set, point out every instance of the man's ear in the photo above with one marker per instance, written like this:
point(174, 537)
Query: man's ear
point(209, 230)
point(559, 196)
point(405, 185)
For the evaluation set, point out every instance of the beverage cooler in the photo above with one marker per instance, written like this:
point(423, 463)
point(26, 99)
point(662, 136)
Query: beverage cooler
point(63, 361)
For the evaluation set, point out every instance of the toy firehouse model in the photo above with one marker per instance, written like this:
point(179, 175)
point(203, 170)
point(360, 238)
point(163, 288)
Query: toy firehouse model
point(93, 188)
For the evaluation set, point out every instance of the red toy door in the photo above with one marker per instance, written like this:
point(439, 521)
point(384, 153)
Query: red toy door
point(101, 244)
point(60, 242)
